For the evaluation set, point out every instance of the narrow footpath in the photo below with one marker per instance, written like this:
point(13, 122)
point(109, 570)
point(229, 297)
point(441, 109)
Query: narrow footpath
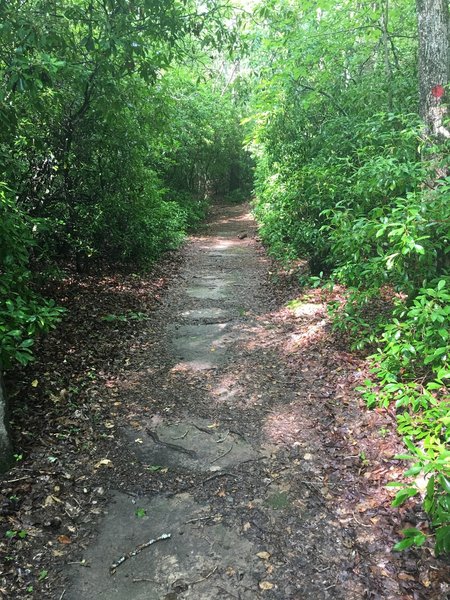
point(244, 465)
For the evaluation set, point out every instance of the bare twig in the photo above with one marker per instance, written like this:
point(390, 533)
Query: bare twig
point(82, 563)
point(189, 487)
point(18, 479)
point(238, 433)
point(181, 437)
point(205, 578)
point(223, 439)
point(249, 460)
point(360, 523)
point(137, 550)
point(221, 474)
point(202, 429)
point(323, 93)
point(311, 482)
point(200, 519)
point(222, 455)
point(159, 442)
point(132, 494)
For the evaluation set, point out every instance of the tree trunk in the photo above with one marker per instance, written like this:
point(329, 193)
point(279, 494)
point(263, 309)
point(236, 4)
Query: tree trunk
point(433, 25)
point(386, 49)
point(6, 452)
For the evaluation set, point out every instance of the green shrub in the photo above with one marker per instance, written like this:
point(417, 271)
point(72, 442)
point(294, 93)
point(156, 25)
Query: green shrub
point(23, 313)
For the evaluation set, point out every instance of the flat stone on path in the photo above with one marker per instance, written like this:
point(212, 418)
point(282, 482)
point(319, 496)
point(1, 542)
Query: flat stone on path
point(203, 345)
point(207, 314)
point(192, 444)
point(184, 566)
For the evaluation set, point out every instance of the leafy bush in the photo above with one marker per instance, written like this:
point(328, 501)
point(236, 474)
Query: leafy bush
point(23, 313)
point(344, 179)
point(412, 369)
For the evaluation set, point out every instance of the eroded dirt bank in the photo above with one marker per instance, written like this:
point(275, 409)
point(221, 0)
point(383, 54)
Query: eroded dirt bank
point(230, 437)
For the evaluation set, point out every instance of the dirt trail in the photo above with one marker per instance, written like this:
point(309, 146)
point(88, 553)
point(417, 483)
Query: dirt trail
point(243, 445)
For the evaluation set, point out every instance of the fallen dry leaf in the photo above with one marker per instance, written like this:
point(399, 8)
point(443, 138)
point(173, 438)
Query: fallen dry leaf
point(50, 500)
point(265, 585)
point(64, 539)
point(104, 462)
point(263, 555)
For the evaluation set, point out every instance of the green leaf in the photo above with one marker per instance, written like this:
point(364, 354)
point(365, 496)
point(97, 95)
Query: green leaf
point(443, 540)
point(430, 487)
point(403, 544)
point(414, 470)
point(154, 468)
point(404, 495)
point(445, 483)
point(413, 537)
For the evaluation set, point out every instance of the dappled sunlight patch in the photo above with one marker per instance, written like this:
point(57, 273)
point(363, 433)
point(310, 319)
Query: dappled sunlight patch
point(246, 217)
point(256, 338)
point(312, 334)
point(238, 218)
point(290, 426)
point(301, 308)
point(192, 366)
point(224, 247)
point(220, 243)
point(228, 390)
point(181, 368)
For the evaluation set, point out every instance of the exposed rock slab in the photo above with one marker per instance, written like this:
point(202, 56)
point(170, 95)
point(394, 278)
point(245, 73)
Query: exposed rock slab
point(202, 560)
point(192, 444)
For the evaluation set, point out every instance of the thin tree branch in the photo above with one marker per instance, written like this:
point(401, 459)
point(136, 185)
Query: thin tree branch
point(325, 94)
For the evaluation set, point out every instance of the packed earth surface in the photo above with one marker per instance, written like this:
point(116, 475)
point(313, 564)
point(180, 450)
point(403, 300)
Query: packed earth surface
point(197, 434)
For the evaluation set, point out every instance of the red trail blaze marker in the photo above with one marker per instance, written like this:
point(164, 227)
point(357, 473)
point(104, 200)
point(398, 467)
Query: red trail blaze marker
point(438, 91)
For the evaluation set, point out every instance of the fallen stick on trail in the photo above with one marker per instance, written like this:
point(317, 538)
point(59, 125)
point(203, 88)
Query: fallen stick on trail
point(223, 439)
point(181, 437)
point(222, 455)
point(206, 577)
point(221, 474)
point(137, 550)
point(176, 447)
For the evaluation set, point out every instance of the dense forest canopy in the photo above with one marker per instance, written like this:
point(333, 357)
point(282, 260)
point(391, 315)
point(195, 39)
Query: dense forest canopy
point(121, 118)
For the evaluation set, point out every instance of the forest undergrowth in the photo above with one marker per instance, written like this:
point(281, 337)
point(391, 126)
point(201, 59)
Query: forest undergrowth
point(347, 177)
point(119, 120)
